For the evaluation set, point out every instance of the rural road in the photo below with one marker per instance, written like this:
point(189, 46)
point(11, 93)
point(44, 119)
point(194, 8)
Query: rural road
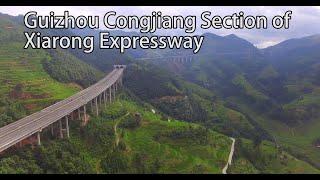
point(224, 170)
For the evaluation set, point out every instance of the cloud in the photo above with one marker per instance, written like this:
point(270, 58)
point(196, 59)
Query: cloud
point(304, 19)
point(265, 44)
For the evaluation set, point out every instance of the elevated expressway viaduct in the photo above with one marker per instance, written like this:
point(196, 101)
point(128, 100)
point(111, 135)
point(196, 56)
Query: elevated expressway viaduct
point(178, 58)
point(57, 115)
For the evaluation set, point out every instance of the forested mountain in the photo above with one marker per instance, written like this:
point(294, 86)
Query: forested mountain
point(276, 87)
point(297, 58)
point(184, 100)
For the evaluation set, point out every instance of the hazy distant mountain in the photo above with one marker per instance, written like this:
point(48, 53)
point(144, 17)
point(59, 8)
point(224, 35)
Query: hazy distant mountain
point(306, 47)
point(230, 44)
point(297, 58)
point(293, 44)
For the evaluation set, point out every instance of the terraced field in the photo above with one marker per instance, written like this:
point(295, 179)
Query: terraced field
point(23, 79)
point(159, 140)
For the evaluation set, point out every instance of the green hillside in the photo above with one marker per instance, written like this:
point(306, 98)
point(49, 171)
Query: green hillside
point(23, 78)
point(266, 158)
point(185, 100)
point(279, 95)
point(127, 138)
point(33, 79)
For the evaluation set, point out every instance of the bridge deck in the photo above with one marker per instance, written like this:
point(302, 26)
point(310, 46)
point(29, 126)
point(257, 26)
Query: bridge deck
point(25, 127)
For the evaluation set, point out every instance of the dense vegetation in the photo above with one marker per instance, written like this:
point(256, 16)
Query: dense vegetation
point(265, 157)
point(9, 111)
point(109, 145)
point(184, 100)
point(276, 89)
point(66, 68)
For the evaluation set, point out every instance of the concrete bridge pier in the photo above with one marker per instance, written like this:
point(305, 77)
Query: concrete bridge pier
point(72, 116)
point(91, 106)
point(105, 98)
point(110, 96)
point(101, 99)
point(39, 138)
point(60, 129)
point(119, 82)
point(114, 92)
point(79, 114)
point(96, 104)
point(98, 100)
point(67, 126)
point(52, 129)
point(84, 113)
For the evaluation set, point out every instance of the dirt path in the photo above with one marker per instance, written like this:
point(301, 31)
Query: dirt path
point(224, 170)
point(116, 132)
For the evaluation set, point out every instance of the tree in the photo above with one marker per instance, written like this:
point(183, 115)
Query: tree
point(17, 165)
point(114, 162)
point(4, 120)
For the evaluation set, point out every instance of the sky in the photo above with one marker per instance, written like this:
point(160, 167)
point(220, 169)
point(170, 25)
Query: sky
point(305, 20)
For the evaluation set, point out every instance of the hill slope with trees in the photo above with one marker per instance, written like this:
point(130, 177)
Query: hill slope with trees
point(33, 79)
